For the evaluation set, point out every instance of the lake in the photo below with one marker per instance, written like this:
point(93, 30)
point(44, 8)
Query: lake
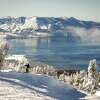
point(57, 51)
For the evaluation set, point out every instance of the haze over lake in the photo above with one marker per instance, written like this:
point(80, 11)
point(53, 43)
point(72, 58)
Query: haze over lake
point(57, 51)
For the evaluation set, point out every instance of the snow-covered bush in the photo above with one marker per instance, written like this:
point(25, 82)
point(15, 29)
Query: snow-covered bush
point(16, 63)
point(43, 69)
point(78, 79)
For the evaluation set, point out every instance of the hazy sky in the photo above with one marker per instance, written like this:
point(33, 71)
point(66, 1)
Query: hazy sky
point(82, 9)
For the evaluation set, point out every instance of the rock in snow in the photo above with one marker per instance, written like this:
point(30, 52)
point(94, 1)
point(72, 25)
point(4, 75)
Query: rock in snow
point(23, 86)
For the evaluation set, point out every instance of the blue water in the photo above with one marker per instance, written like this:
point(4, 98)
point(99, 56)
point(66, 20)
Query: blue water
point(57, 51)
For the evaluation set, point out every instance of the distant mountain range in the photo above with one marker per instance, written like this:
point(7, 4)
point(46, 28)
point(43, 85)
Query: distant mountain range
point(44, 26)
point(57, 22)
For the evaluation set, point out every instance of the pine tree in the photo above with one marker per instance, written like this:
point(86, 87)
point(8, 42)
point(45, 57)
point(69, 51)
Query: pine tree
point(93, 76)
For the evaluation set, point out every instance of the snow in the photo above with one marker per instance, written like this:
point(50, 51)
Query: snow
point(24, 86)
point(3, 36)
point(30, 22)
point(42, 34)
point(8, 70)
point(8, 36)
point(97, 93)
point(92, 97)
point(25, 27)
point(15, 62)
point(21, 59)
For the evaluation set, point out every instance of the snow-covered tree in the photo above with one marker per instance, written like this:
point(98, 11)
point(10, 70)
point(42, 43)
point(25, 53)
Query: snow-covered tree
point(88, 82)
point(3, 51)
point(92, 69)
point(93, 79)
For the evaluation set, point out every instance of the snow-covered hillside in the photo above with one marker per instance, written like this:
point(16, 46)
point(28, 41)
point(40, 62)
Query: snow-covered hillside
point(48, 22)
point(50, 26)
point(19, 86)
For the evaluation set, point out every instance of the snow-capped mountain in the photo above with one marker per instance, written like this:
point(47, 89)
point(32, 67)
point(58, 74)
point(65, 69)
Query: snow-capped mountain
point(49, 26)
point(46, 23)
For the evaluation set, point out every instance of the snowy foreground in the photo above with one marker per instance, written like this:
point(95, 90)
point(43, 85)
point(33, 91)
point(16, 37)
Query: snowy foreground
point(23, 86)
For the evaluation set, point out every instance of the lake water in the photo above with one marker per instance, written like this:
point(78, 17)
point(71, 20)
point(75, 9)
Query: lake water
point(56, 51)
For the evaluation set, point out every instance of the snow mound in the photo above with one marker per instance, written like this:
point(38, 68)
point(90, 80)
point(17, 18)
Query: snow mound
point(19, 86)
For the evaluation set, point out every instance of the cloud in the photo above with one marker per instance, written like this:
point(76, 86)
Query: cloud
point(86, 35)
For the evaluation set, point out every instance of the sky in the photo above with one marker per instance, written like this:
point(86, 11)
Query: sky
point(81, 9)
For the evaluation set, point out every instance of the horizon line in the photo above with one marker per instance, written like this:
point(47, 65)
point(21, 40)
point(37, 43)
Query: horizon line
point(81, 19)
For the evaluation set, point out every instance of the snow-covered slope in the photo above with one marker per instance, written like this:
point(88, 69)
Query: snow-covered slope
point(19, 86)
